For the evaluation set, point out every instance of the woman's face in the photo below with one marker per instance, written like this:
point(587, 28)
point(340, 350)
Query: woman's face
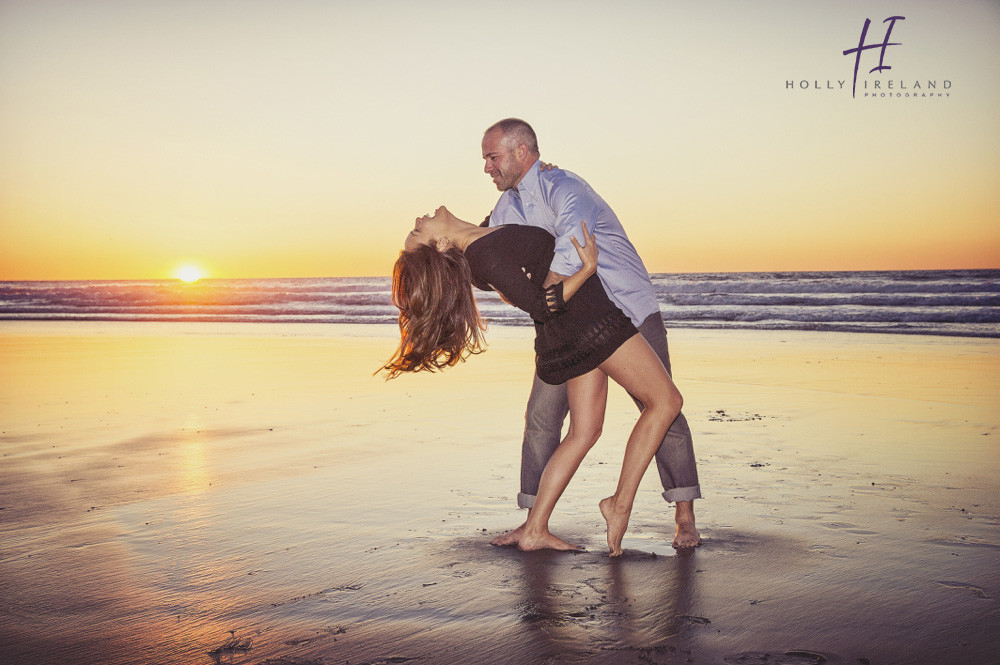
point(427, 229)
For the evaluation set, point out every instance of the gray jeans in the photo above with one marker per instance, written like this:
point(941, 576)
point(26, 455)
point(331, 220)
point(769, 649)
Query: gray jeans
point(547, 409)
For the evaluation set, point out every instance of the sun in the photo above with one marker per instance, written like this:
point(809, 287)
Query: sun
point(189, 273)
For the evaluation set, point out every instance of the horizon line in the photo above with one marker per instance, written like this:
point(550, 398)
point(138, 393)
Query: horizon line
point(386, 276)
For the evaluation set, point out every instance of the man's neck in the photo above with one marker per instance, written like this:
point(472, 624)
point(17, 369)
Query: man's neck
point(526, 171)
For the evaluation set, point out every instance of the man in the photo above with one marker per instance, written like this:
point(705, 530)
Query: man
point(558, 201)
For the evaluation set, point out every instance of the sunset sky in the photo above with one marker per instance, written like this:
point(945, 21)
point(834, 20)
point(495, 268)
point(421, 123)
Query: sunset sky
point(258, 138)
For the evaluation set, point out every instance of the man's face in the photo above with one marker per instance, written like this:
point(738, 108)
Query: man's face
point(501, 163)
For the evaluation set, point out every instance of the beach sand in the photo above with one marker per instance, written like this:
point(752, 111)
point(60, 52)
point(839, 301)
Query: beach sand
point(206, 493)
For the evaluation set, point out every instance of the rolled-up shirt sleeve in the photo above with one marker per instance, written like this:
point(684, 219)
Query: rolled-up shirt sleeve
point(572, 205)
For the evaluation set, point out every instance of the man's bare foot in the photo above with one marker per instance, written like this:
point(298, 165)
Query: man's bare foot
point(687, 533)
point(509, 538)
point(687, 536)
point(544, 541)
point(617, 519)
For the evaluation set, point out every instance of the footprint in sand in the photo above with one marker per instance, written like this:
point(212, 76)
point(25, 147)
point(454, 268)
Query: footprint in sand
point(977, 591)
point(778, 658)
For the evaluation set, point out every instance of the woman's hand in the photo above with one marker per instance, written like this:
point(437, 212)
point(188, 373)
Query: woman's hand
point(588, 255)
point(588, 251)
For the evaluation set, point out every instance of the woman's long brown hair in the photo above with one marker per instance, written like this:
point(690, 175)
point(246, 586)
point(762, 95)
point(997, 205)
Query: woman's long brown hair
point(439, 323)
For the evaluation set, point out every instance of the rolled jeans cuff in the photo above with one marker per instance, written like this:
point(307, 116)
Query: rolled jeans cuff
point(672, 496)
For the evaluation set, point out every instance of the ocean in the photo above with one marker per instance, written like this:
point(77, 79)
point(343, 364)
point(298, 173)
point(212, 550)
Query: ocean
point(939, 302)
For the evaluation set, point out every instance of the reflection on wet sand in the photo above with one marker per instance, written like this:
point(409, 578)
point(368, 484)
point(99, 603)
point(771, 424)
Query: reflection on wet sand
point(585, 605)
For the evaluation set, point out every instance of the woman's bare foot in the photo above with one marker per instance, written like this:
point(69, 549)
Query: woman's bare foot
point(544, 540)
point(509, 538)
point(617, 519)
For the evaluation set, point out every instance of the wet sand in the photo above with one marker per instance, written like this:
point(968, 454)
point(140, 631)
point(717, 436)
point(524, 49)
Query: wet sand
point(203, 493)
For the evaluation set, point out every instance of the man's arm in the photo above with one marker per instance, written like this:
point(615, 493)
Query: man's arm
point(573, 203)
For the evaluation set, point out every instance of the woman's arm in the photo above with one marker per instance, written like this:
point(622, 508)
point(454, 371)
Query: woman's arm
point(543, 303)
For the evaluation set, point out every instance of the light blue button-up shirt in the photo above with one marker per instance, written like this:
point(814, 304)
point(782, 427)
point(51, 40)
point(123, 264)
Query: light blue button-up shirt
point(557, 201)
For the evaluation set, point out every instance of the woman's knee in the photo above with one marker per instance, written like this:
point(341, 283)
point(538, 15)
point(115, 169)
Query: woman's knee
point(677, 401)
point(665, 405)
point(588, 432)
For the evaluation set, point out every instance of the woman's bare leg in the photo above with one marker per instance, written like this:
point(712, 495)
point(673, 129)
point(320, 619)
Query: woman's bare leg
point(588, 395)
point(639, 371)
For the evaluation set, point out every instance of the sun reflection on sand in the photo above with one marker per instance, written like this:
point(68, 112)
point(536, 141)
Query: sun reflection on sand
point(194, 475)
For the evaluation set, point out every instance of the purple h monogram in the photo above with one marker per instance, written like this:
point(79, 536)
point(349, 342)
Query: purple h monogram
point(864, 47)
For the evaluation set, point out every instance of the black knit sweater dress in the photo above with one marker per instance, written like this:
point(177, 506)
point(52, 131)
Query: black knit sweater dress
point(572, 337)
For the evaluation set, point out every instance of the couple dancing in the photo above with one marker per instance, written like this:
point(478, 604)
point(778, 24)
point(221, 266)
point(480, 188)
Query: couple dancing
point(553, 248)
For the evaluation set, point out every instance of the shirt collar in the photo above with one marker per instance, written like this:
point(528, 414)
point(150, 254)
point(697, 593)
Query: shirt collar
point(530, 183)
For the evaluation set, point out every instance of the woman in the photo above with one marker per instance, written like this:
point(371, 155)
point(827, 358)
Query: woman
point(582, 338)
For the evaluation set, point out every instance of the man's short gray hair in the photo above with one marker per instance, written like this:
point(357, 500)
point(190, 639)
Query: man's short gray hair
point(518, 131)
